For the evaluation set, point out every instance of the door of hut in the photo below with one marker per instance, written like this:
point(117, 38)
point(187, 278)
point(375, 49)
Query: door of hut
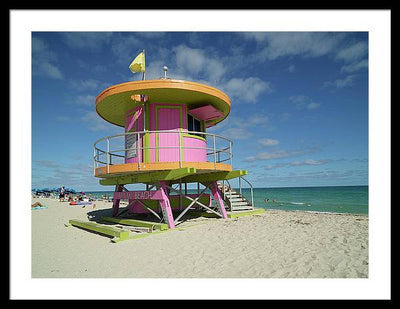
point(169, 118)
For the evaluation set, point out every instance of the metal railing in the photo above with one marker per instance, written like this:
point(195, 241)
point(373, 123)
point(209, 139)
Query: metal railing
point(113, 149)
point(240, 179)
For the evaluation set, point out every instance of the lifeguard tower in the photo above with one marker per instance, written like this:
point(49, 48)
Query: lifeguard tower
point(165, 146)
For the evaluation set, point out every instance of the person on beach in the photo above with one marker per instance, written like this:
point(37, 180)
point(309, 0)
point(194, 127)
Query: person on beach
point(62, 194)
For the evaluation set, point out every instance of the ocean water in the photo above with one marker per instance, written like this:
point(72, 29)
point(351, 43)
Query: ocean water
point(336, 199)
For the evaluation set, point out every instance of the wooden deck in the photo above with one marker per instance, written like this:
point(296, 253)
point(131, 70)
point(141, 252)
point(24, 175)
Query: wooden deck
point(134, 168)
point(166, 171)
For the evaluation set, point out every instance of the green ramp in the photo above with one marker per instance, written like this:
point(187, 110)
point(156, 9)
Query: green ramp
point(118, 234)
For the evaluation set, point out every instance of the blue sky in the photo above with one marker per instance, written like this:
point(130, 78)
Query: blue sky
point(299, 100)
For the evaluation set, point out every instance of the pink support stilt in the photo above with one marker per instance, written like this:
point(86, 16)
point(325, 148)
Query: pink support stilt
point(118, 188)
point(218, 199)
point(166, 206)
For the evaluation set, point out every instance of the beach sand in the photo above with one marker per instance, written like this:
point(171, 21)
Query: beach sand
point(274, 244)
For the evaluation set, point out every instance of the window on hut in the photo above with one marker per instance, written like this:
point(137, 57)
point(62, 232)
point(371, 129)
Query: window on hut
point(194, 125)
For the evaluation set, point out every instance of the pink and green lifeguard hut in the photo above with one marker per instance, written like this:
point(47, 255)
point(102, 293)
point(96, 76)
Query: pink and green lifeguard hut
point(165, 146)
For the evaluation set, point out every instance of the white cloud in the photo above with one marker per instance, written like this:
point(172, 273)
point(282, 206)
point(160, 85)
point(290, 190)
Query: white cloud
point(354, 56)
point(304, 102)
point(268, 142)
point(126, 48)
point(95, 123)
point(313, 105)
point(246, 90)
point(354, 52)
point(310, 162)
point(355, 66)
point(307, 44)
point(44, 60)
point(198, 62)
point(87, 40)
point(341, 83)
point(241, 128)
point(278, 154)
point(236, 133)
point(86, 100)
point(50, 70)
point(87, 84)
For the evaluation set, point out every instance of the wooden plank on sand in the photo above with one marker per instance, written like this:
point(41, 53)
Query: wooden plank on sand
point(134, 222)
point(118, 234)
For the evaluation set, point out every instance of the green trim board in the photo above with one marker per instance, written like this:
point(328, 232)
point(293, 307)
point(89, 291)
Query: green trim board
point(146, 137)
point(193, 136)
point(150, 177)
point(213, 176)
point(134, 222)
point(118, 234)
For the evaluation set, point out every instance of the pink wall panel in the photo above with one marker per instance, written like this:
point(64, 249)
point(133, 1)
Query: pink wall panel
point(168, 119)
point(194, 155)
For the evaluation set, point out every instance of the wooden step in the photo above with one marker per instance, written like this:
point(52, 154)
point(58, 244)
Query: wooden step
point(247, 207)
point(237, 199)
point(233, 195)
point(240, 203)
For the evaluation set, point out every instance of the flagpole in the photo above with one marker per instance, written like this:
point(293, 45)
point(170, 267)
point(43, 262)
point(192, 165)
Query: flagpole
point(144, 76)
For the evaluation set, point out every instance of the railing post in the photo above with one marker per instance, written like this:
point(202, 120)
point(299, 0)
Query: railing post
point(230, 151)
point(240, 185)
point(215, 159)
point(252, 199)
point(138, 143)
point(94, 160)
point(180, 148)
point(108, 155)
